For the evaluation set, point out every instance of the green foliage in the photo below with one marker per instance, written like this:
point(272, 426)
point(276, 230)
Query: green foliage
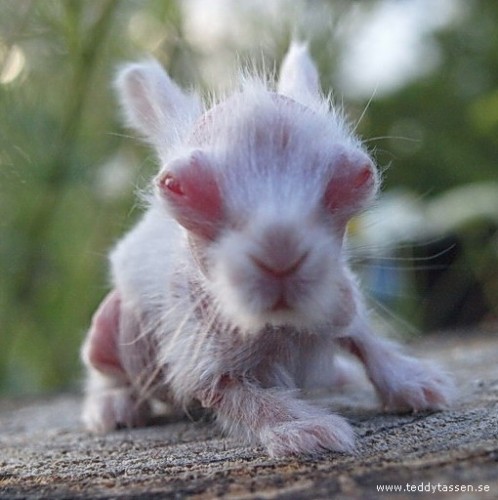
point(443, 129)
point(68, 174)
point(59, 132)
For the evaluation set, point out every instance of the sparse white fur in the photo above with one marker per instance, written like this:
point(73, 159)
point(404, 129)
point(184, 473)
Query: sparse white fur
point(299, 77)
point(236, 308)
point(156, 106)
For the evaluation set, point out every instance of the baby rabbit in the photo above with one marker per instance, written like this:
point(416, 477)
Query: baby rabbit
point(234, 289)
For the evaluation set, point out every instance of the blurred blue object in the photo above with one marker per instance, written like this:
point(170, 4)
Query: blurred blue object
point(436, 261)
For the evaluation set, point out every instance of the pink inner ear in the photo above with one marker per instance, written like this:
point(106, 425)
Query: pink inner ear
point(349, 188)
point(194, 195)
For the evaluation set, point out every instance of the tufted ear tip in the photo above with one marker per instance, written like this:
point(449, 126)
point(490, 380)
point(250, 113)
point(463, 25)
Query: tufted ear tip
point(298, 74)
point(152, 103)
point(138, 86)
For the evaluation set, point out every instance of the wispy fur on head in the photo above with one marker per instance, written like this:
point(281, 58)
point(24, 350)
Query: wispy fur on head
point(234, 286)
point(272, 147)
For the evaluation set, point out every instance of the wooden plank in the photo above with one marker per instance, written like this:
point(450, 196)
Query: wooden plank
point(44, 453)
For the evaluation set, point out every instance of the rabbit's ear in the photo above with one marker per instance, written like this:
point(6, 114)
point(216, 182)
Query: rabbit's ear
point(154, 105)
point(299, 77)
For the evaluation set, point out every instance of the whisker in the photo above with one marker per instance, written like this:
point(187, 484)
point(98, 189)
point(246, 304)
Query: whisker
point(150, 327)
point(148, 387)
point(429, 258)
point(434, 267)
point(358, 122)
point(188, 315)
point(393, 317)
point(204, 332)
point(390, 137)
point(121, 135)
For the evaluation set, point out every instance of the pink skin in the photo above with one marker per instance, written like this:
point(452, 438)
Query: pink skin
point(194, 196)
point(252, 299)
point(111, 401)
point(101, 345)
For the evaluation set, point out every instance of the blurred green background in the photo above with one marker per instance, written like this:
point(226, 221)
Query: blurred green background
point(419, 78)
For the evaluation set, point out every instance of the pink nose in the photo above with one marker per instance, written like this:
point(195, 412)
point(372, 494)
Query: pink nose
point(280, 271)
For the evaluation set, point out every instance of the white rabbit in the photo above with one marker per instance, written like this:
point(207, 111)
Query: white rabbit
point(234, 287)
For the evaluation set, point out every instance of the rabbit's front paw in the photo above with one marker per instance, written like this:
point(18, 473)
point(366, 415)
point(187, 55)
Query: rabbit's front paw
point(309, 436)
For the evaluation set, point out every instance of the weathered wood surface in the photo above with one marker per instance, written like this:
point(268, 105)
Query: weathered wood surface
point(44, 453)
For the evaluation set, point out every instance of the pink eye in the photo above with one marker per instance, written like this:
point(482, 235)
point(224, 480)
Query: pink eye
point(172, 184)
point(191, 191)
